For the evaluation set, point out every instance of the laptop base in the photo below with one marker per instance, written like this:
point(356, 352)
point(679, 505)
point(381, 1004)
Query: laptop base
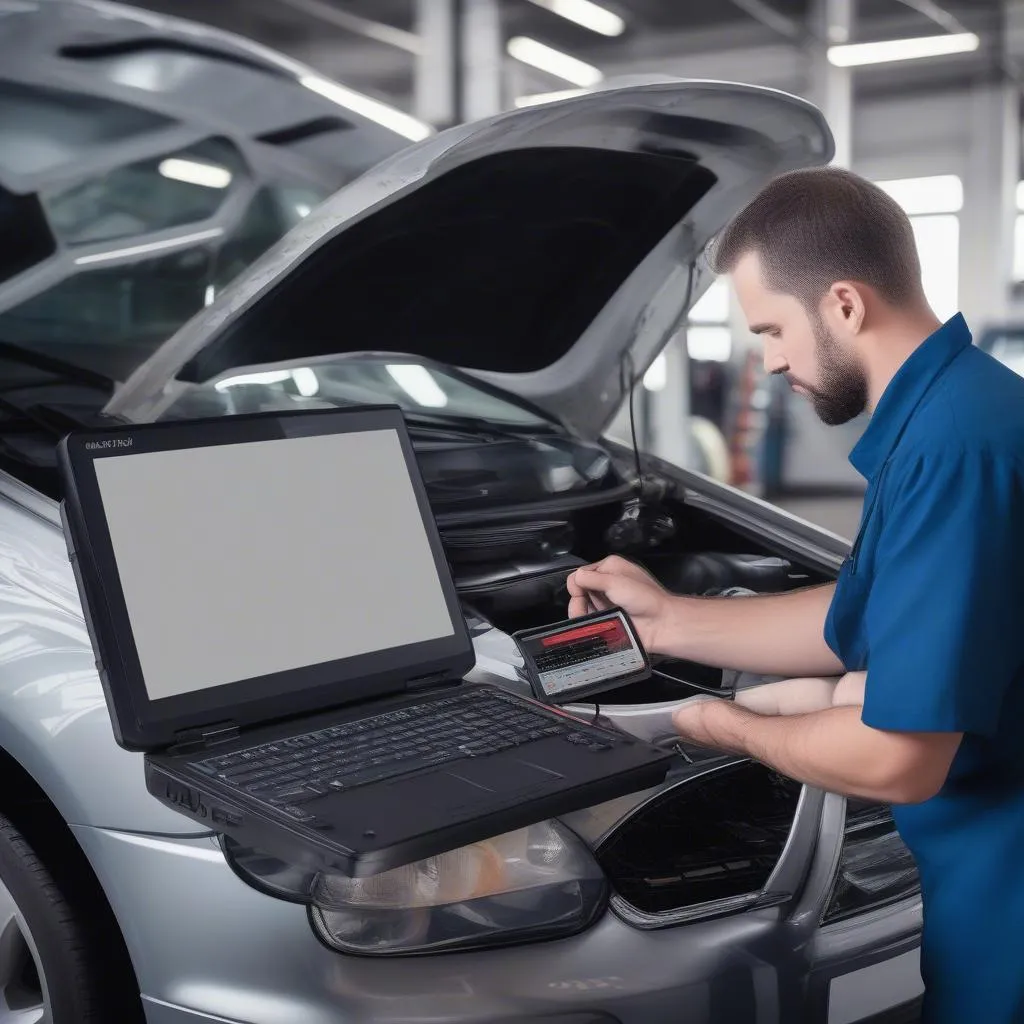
point(369, 828)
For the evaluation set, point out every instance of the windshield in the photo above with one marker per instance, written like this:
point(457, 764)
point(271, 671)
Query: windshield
point(425, 391)
point(131, 228)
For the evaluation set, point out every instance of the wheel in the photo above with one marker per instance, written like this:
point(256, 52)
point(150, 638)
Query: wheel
point(48, 971)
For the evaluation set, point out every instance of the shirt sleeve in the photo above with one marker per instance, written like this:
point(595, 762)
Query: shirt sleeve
point(945, 613)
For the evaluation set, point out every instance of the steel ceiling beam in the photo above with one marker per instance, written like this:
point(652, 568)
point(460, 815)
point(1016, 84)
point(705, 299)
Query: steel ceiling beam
point(375, 30)
point(935, 13)
point(763, 12)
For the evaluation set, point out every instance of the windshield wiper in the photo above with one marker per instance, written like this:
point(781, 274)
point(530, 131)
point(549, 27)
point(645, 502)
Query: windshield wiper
point(60, 367)
point(478, 424)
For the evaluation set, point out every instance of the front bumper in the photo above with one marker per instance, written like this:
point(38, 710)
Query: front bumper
point(207, 947)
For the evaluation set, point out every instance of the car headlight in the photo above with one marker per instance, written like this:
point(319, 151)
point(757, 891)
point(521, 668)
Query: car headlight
point(535, 883)
point(875, 867)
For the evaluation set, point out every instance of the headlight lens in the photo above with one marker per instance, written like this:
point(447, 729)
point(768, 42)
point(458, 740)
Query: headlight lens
point(535, 883)
point(876, 867)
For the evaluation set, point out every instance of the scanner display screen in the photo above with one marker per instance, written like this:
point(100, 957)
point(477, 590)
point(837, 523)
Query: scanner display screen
point(587, 654)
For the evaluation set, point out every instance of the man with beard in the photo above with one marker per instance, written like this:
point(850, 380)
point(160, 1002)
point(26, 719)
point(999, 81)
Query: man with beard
point(929, 603)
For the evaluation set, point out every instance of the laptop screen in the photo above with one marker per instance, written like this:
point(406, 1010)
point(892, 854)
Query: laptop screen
point(245, 559)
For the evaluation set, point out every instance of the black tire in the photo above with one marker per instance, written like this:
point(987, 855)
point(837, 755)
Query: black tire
point(49, 946)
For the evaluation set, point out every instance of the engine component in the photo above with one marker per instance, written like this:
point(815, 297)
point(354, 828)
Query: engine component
point(640, 526)
point(713, 572)
point(501, 542)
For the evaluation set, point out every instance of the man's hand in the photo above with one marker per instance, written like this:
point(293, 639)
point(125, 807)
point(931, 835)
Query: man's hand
point(616, 581)
point(831, 749)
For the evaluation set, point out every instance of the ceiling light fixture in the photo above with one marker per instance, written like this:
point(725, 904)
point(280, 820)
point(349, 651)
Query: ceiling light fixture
point(389, 117)
point(858, 54)
point(554, 62)
point(194, 173)
point(584, 12)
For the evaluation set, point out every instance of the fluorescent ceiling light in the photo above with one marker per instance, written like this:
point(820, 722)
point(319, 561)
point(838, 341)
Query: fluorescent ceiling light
point(938, 193)
point(589, 15)
point(554, 62)
point(418, 384)
point(549, 97)
point(194, 173)
point(856, 54)
point(389, 117)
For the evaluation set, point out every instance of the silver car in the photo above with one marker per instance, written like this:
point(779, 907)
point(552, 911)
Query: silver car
point(503, 282)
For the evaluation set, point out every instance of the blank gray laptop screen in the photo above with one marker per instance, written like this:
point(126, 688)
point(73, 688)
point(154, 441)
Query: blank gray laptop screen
point(240, 560)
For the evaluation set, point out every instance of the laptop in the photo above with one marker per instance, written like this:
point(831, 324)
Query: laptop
point(276, 627)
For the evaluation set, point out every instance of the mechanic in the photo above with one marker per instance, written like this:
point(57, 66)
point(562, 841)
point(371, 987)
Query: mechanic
point(929, 602)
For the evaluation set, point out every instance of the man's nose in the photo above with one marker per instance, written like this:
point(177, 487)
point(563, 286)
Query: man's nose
point(774, 363)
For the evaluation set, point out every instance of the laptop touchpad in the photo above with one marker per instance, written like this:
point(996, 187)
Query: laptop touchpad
point(503, 775)
point(476, 782)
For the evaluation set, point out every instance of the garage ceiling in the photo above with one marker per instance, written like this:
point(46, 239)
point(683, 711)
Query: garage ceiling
point(369, 44)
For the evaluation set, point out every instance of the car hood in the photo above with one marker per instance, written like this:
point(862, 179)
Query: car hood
point(536, 249)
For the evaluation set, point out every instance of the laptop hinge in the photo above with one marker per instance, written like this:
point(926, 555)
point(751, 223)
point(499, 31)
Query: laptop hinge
point(203, 736)
point(430, 680)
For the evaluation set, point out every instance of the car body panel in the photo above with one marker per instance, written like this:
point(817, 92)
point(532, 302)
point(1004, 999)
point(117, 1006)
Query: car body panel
point(736, 136)
point(751, 967)
point(55, 722)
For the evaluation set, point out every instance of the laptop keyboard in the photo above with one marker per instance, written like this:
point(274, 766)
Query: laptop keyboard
point(473, 723)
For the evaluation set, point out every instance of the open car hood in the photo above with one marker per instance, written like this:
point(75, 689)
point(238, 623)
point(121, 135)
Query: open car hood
point(535, 249)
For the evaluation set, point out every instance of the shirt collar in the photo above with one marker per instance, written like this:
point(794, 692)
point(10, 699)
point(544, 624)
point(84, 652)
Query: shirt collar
point(905, 391)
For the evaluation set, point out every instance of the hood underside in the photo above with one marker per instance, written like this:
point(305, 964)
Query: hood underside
point(535, 249)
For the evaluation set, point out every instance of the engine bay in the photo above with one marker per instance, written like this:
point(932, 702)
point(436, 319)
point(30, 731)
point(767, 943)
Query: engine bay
point(511, 575)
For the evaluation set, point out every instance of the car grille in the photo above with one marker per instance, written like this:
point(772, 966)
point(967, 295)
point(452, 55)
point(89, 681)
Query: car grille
point(715, 838)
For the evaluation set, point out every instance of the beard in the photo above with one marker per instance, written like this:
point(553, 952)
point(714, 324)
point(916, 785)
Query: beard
point(842, 392)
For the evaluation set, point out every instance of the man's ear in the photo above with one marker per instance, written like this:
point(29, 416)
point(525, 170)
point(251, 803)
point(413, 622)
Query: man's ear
point(844, 309)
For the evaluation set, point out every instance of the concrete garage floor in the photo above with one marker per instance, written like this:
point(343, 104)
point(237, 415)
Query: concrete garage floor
point(840, 515)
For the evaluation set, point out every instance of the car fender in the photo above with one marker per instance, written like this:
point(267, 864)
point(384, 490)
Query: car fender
point(53, 714)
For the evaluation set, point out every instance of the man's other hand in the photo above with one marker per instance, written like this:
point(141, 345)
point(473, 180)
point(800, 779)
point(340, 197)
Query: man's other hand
point(615, 581)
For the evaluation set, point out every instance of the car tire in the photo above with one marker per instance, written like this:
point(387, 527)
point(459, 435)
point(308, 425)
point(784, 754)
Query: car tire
point(47, 949)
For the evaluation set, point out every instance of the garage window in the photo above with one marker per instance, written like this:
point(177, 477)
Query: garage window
point(933, 205)
point(1018, 238)
point(708, 338)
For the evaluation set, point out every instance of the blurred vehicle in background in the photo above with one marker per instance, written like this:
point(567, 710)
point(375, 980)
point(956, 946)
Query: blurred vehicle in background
point(1006, 343)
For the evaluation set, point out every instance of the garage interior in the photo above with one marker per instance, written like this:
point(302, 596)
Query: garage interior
point(921, 96)
point(941, 131)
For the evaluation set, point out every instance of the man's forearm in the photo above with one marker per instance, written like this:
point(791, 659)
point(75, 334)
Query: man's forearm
point(776, 634)
point(831, 750)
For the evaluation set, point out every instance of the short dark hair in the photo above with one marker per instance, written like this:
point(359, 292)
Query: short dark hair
point(815, 226)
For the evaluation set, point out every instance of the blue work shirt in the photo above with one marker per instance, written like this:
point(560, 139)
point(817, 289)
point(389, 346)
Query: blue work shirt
point(931, 603)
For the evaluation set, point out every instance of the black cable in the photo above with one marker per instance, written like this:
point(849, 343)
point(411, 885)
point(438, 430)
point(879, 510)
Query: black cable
point(631, 382)
point(632, 420)
point(729, 694)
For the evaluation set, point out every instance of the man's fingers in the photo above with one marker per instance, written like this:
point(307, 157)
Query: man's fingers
point(589, 579)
